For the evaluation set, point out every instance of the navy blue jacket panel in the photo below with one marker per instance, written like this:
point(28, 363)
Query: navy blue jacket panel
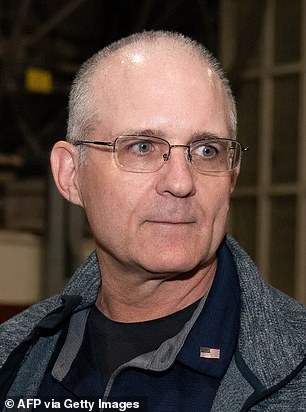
point(190, 381)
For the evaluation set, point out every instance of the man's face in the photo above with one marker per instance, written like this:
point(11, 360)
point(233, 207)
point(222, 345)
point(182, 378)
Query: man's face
point(172, 220)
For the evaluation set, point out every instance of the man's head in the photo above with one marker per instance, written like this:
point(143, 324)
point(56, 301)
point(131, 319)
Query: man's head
point(159, 84)
point(82, 111)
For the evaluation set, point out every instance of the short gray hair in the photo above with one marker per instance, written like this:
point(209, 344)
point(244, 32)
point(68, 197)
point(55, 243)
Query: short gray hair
point(81, 114)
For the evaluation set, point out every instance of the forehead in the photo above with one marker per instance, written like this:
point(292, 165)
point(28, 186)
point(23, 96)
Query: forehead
point(153, 86)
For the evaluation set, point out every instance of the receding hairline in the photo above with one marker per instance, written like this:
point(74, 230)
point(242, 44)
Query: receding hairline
point(81, 116)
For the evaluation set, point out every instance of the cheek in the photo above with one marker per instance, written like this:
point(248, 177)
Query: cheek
point(113, 200)
point(215, 213)
point(216, 197)
point(221, 217)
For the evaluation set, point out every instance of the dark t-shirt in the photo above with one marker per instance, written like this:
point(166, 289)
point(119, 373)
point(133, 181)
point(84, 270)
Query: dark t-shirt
point(115, 343)
point(190, 384)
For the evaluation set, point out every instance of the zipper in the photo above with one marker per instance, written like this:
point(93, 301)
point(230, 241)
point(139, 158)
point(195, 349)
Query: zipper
point(257, 397)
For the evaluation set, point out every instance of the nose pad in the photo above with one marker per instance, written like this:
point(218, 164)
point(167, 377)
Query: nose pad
point(166, 156)
point(188, 155)
point(177, 179)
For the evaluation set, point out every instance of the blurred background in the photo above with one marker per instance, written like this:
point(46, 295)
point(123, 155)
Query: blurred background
point(262, 45)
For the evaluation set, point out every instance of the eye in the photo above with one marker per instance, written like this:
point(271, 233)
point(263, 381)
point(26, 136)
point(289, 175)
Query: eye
point(141, 147)
point(205, 151)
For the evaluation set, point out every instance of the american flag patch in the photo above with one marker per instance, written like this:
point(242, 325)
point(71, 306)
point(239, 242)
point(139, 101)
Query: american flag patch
point(209, 353)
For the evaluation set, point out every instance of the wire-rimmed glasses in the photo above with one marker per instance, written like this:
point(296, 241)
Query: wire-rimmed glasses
point(145, 154)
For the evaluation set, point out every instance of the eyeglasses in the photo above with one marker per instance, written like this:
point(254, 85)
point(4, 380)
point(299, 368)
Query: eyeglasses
point(145, 154)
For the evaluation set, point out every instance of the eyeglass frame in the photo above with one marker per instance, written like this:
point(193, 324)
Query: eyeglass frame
point(166, 157)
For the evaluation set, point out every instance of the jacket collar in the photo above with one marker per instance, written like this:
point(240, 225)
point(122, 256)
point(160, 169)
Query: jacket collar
point(218, 324)
point(214, 324)
point(85, 282)
point(272, 335)
point(272, 338)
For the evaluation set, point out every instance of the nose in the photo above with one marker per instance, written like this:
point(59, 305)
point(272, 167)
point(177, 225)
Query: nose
point(176, 177)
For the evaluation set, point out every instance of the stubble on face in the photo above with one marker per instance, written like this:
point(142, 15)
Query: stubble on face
point(156, 226)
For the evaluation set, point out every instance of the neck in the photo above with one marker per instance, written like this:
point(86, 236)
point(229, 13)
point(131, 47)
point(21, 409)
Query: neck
point(130, 297)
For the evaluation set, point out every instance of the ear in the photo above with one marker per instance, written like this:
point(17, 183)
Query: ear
point(234, 177)
point(64, 165)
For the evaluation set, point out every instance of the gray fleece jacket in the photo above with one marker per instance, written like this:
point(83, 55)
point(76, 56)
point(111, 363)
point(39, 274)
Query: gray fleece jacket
point(267, 373)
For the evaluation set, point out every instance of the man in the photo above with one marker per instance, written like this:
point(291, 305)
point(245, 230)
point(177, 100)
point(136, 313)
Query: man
point(169, 314)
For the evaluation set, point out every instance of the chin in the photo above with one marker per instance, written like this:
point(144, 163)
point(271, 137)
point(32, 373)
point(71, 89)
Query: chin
point(171, 264)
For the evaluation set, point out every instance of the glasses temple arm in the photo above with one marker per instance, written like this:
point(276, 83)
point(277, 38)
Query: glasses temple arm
point(80, 142)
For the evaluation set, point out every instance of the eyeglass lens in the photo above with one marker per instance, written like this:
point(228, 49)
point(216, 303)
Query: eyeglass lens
point(148, 154)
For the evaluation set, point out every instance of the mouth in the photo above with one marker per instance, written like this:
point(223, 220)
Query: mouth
point(171, 222)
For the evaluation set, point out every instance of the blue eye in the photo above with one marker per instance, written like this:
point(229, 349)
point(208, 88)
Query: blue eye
point(206, 151)
point(138, 147)
point(142, 147)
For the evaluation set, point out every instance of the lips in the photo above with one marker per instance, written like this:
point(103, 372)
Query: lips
point(170, 214)
point(171, 222)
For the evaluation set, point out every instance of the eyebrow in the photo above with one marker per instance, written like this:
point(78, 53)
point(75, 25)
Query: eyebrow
point(144, 132)
point(204, 135)
point(158, 133)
